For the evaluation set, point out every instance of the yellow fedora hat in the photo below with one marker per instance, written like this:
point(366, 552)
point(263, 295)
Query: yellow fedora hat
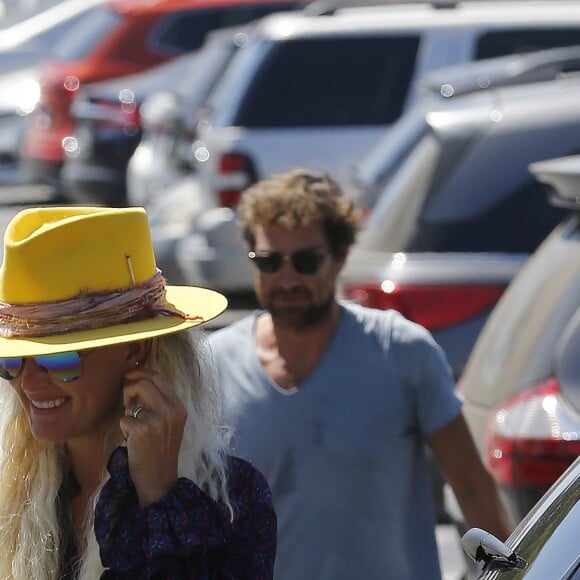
point(75, 278)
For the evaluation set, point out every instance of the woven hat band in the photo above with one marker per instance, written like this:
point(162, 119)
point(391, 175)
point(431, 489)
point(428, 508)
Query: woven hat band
point(87, 311)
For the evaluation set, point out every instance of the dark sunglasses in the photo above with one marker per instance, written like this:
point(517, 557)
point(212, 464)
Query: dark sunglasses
point(303, 261)
point(63, 366)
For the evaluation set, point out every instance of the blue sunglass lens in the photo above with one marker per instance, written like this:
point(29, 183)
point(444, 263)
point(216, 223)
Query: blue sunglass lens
point(63, 366)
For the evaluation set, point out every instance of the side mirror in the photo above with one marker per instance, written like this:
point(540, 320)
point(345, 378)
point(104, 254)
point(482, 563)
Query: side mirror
point(485, 548)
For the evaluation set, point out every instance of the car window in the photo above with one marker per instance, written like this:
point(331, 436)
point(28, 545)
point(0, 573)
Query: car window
point(78, 42)
point(509, 41)
point(330, 82)
point(186, 30)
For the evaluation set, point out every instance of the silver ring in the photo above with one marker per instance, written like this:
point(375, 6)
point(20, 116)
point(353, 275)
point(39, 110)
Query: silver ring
point(135, 410)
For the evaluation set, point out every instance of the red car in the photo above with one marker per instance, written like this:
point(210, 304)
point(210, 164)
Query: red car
point(122, 37)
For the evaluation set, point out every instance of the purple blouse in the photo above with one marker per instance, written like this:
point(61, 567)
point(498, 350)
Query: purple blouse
point(186, 534)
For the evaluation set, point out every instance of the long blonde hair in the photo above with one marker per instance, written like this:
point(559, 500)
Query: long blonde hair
point(32, 472)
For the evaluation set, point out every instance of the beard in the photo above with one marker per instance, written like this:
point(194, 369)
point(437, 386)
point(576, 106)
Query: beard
point(296, 309)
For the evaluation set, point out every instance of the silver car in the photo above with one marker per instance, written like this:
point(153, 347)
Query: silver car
point(521, 385)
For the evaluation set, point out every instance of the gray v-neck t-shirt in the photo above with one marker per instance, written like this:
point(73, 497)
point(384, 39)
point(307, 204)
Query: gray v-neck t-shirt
point(343, 453)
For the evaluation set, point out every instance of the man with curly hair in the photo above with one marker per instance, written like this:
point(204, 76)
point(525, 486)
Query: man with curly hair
point(334, 402)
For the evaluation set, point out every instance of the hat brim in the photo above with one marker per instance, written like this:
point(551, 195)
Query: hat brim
point(200, 302)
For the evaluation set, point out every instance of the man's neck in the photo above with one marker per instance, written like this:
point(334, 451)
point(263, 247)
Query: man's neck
point(290, 354)
point(298, 337)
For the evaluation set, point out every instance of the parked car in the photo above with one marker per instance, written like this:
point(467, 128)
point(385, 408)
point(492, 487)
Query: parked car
point(544, 546)
point(164, 153)
point(111, 117)
point(122, 38)
point(521, 385)
point(260, 120)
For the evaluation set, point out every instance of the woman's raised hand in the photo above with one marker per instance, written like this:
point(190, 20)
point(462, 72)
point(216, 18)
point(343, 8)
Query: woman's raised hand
point(153, 428)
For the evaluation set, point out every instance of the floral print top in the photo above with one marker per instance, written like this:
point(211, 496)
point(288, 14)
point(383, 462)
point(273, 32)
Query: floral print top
point(186, 534)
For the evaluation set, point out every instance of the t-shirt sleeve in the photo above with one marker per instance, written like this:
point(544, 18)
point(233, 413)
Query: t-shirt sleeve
point(429, 378)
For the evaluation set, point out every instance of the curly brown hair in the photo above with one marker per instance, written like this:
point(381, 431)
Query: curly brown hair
point(300, 198)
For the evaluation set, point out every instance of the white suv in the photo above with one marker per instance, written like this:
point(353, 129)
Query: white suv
point(319, 91)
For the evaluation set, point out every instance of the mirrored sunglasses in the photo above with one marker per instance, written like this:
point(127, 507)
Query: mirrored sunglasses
point(62, 366)
point(303, 261)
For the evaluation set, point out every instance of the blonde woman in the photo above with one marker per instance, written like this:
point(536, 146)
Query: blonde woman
point(113, 461)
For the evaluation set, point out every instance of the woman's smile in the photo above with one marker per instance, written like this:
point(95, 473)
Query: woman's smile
point(48, 404)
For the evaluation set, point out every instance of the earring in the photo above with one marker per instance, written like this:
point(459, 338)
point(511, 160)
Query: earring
point(138, 363)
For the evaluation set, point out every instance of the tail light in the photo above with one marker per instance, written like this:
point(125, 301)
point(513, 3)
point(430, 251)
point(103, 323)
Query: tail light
point(533, 438)
point(235, 173)
point(433, 306)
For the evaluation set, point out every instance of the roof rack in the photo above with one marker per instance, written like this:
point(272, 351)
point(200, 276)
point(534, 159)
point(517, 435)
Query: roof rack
point(516, 69)
point(329, 7)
